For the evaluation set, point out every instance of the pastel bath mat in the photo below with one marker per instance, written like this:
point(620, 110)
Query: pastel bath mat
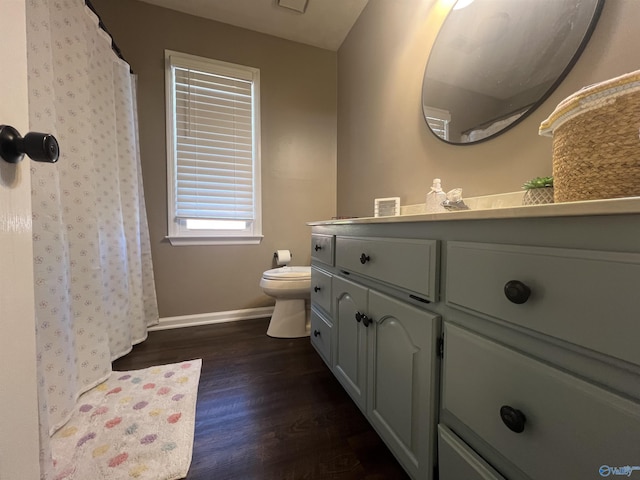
point(136, 425)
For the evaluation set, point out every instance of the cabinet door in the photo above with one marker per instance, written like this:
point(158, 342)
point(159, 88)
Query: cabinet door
point(402, 380)
point(351, 338)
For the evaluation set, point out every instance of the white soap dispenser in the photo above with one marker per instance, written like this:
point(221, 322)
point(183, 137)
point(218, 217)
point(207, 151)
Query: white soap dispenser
point(435, 198)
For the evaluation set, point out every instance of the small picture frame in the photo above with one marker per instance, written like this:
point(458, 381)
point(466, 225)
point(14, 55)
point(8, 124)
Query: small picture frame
point(386, 207)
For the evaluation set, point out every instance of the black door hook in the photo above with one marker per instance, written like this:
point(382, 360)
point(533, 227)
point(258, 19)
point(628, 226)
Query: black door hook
point(41, 147)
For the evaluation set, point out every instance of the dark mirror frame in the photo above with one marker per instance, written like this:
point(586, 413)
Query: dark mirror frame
point(533, 106)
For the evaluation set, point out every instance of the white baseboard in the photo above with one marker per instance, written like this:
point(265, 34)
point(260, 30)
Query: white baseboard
point(210, 318)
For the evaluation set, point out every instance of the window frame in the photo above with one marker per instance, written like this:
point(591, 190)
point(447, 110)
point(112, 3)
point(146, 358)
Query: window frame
point(438, 120)
point(178, 233)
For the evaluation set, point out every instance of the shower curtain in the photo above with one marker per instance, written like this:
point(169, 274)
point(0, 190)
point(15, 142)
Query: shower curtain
point(94, 288)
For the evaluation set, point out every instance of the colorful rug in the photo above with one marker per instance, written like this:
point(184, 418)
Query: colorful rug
point(136, 425)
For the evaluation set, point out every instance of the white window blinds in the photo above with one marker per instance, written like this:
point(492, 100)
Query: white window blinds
point(214, 146)
point(438, 120)
point(213, 151)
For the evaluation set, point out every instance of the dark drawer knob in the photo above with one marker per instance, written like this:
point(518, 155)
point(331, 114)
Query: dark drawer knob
point(516, 291)
point(359, 317)
point(514, 419)
point(316, 333)
point(316, 289)
point(318, 247)
point(364, 258)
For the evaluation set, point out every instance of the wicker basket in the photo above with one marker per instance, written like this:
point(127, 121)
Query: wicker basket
point(596, 146)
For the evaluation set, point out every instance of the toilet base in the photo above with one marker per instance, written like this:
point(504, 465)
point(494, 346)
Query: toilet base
point(290, 319)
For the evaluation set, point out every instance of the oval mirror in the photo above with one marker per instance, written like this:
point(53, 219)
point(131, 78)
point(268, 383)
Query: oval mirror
point(494, 61)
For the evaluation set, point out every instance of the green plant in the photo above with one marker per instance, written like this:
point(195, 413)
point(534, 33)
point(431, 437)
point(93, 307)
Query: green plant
point(538, 182)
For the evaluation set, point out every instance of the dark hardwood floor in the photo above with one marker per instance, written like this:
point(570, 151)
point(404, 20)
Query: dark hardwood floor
point(267, 408)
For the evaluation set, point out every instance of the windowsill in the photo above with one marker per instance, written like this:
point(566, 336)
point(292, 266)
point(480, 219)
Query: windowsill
point(194, 240)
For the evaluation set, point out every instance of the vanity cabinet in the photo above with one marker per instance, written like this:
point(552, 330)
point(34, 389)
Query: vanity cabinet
point(566, 294)
point(322, 249)
point(402, 380)
point(548, 418)
point(540, 370)
point(386, 360)
point(321, 289)
point(320, 332)
point(547, 422)
point(321, 329)
point(385, 350)
point(350, 364)
point(408, 264)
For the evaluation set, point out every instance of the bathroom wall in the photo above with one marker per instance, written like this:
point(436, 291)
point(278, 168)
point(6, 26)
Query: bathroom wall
point(298, 106)
point(384, 146)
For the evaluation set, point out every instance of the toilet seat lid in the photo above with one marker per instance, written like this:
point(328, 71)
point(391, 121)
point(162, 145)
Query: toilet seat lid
point(288, 273)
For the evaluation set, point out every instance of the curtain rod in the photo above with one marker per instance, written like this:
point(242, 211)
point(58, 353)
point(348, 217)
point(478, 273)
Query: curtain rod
point(101, 24)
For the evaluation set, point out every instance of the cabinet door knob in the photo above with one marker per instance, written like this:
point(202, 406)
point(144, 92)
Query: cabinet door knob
point(514, 419)
point(316, 289)
point(316, 333)
point(361, 317)
point(318, 247)
point(516, 291)
point(364, 258)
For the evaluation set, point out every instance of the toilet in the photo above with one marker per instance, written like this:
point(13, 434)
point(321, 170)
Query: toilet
point(290, 286)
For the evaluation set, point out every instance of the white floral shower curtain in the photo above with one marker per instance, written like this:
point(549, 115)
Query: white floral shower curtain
point(94, 289)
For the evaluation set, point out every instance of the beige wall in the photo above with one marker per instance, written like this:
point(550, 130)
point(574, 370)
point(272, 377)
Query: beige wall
point(298, 92)
point(384, 146)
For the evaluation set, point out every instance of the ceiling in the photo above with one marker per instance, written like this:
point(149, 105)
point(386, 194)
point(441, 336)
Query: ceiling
point(325, 23)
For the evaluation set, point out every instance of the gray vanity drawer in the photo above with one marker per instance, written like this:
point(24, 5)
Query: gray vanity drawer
point(456, 461)
point(320, 334)
point(572, 428)
point(579, 296)
point(404, 263)
point(321, 289)
point(322, 248)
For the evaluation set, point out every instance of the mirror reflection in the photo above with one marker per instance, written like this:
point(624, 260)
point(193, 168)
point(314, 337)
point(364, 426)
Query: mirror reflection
point(495, 61)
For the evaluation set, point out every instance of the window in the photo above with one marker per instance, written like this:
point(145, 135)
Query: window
point(438, 120)
point(213, 151)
